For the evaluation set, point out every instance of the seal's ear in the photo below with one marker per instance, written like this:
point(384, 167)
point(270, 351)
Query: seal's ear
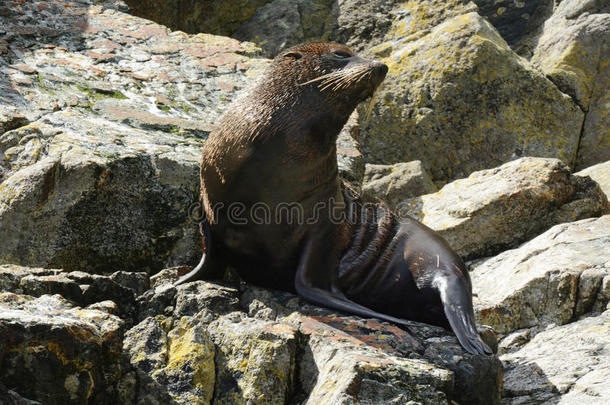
point(293, 55)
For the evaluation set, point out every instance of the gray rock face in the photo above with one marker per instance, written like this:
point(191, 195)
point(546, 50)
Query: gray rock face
point(282, 23)
point(552, 279)
point(192, 16)
point(494, 209)
point(568, 365)
point(395, 183)
point(574, 52)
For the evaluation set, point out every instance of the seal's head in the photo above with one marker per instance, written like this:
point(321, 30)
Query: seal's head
point(322, 76)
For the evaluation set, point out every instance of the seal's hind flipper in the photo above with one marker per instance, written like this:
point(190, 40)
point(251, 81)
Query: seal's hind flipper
point(207, 268)
point(459, 313)
point(338, 302)
point(309, 279)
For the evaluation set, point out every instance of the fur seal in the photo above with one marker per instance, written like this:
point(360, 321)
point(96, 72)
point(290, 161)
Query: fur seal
point(276, 211)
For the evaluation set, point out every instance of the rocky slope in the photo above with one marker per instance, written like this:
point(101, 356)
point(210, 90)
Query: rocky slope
point(102, 115)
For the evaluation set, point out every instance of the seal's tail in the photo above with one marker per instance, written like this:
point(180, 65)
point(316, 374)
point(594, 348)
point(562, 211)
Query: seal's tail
point(457, 305)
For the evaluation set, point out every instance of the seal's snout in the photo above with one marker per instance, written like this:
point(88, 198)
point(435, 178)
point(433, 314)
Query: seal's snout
point(379, 70)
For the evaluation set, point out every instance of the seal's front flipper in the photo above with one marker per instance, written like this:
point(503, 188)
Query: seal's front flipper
point(315, 282)
point(208, 268)
point(459, 313)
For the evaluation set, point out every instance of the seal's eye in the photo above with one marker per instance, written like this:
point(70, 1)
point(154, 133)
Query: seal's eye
point(293, 55)
point(341, 54)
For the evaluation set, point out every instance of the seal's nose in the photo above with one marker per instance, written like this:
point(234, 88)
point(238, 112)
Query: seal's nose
point(383, 68)
point(380, 69)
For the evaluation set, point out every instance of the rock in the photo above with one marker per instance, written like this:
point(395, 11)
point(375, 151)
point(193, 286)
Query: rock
point(567, 364)
point(349, 159)
point(192, 16)
point(174, 362)
point(363, 23)
point(11, 275)
point(213, 299)
point(459, 99)
point(574, 52)
point(168, 276)
point(368, 361)
point(600, 173)
point(280, 24)
point(82, 288)
point(519, 22)
point(552, 279)
point(395, 183)
point(72, 354)
point(356, 375)
point(53, 284)
point(255, 360)
point(138, 283)
point(271, 345)
point(499, 208)
point(105, 174)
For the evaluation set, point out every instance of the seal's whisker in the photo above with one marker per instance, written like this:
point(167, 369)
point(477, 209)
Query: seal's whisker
point(323, 77)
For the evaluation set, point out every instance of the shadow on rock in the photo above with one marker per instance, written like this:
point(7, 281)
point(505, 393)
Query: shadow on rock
point(526, 382)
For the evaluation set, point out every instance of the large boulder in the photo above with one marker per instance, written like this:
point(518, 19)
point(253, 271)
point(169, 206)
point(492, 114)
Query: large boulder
point(574, 52)
point(459, 99)
point(85, 194)
point(495, 209)
point(102, 172)
point(193, 16)
point(552, 279)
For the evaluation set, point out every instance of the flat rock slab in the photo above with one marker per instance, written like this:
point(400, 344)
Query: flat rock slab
point(495, 209)
point(552, 279)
